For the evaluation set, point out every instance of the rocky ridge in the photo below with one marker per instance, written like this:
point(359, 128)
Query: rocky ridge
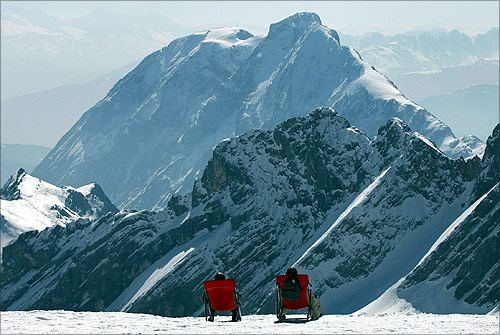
point(356, 214)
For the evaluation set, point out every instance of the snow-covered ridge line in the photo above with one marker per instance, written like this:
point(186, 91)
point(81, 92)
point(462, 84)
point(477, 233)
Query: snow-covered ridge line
point(230, 36)
point(357, 201)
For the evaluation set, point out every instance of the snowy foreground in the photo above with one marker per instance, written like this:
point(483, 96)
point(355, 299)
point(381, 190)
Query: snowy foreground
point(66, 322)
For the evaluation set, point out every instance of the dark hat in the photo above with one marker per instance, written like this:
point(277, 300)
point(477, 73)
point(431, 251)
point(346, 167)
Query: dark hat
point(220, 276)
point(291, 271)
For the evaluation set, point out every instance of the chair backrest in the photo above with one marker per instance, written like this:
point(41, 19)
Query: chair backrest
point(303, 301)
point(221, 294)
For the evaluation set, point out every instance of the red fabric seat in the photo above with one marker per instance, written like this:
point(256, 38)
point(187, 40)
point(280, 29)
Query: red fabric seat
point(303, 299)
point(221, 294)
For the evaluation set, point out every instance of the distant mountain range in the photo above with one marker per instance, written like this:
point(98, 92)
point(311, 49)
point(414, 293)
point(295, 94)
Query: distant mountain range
point(30, 204)
point(74, 50)
point(422, 51)
point(470, 110)
point(152, 135)
point(420, 86)
point(364, 217)
point(456, 61)
point(43, 118)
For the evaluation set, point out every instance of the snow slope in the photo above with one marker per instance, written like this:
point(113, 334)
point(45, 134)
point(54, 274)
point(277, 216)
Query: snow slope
point(390, 302)
point(65, 322)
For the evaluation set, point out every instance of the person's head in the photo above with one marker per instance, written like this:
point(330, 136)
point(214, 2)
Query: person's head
point(220, 276)
point(292, 272)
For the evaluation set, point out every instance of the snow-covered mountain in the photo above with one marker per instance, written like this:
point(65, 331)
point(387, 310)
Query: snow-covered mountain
point(356, 214)
point(154, 132)
point(425, 64)
point(29, 203)
point(460, 271)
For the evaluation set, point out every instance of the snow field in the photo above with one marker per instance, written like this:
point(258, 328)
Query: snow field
point(67, 322)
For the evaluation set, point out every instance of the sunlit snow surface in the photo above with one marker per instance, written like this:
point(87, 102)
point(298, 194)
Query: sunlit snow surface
point(65, 322)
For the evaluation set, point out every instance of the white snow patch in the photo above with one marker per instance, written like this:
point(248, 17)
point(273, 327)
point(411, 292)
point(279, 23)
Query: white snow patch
point(85, 190)
point(378, 85)
point(261, 90)
point(67, 322)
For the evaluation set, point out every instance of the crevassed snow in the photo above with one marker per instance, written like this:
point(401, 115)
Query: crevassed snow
point(66, 322)
point(358, 200)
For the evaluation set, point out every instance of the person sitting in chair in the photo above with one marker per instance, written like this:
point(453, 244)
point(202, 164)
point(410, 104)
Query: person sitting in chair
point(237, 297)
point(291, 291)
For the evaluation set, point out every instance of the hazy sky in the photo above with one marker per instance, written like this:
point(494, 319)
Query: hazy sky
point(352, 17)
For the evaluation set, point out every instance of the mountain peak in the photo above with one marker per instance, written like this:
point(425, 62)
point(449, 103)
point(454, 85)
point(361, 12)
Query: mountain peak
point(297, 21)
point(392, 135)
point(10, 191)
point(394, 125)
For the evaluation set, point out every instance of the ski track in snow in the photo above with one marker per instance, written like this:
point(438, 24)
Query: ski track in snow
point(66, 322)
point(358, 200)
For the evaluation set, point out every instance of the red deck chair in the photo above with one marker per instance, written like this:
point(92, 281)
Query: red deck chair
point(221, 296)
point(304, 299)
